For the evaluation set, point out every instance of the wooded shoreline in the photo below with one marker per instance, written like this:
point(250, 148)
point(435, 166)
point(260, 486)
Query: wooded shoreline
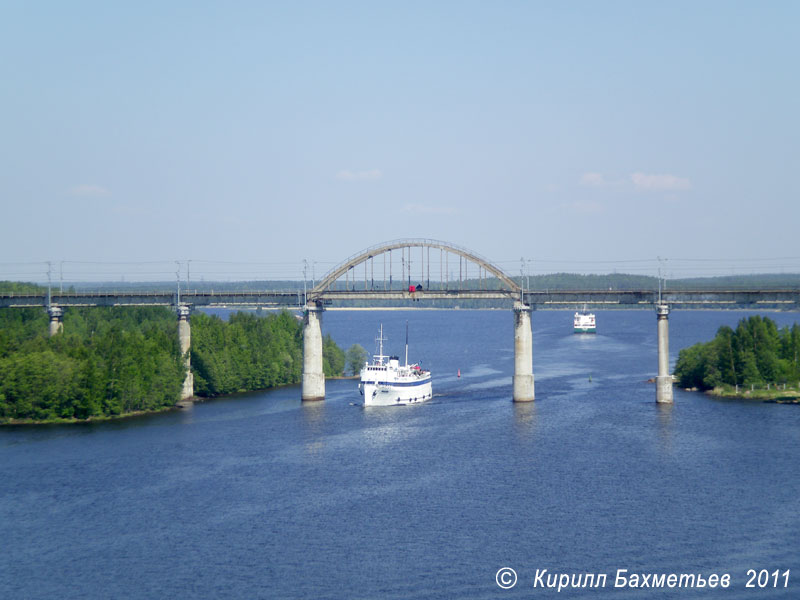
point(111, 363)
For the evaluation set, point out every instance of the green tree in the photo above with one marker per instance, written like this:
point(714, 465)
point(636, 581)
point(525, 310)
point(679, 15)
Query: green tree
point(109, 361)
point(756, 352)
point(112, 361)
point(332, 357)
point(250, 352)
point(355, 356)
point(690, 367)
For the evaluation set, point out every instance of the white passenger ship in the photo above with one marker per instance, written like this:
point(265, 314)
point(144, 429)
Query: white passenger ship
point(386, 383)
point(584, 322)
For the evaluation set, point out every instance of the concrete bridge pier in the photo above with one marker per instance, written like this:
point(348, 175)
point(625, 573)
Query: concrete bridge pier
point(523, 354)
point(56, 319)
point(185, 339)
point(664, 378)
point(313, 376)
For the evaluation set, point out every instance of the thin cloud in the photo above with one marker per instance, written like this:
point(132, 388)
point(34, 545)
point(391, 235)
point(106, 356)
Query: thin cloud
point(370, 175)
point(89, 190)
point(423, 209)
point(660, 183)
point(640, 181)
point(594, 180)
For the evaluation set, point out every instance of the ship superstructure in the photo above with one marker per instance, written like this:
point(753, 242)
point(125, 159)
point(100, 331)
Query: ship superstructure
point(584, 322)
point(385, 382)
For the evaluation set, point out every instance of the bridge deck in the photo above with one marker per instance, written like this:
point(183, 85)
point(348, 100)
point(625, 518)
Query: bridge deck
point(265, 298)
point(788, 298)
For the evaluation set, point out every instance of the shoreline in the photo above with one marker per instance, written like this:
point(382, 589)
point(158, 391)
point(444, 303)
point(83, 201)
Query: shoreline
point(95, 419)
point(775, 396)
point(182, 405)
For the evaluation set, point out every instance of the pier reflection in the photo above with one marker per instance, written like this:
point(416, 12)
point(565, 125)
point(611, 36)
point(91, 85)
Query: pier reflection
point(185, 413)
point(312, 415)
point(525, 419)
point(665, 424)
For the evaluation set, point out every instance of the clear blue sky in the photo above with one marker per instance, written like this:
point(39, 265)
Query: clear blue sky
point(258, 131)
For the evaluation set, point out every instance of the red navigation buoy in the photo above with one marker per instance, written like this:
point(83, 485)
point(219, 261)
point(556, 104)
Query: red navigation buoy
point(459, 372)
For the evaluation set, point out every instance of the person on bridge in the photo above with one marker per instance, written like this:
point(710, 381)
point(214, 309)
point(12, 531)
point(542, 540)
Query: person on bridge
point(413, 289)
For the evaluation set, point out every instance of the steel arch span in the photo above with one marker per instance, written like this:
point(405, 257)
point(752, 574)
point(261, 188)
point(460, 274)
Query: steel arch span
point(370, 253)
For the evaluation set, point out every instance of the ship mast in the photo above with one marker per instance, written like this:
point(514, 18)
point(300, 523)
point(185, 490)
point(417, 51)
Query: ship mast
point(380, 339)
point(406, 343)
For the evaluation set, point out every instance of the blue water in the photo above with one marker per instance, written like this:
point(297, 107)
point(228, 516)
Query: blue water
point(260, 496)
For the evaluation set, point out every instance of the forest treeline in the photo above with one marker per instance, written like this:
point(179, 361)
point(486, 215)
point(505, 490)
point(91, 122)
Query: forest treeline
point(107, 362)
point(248, 352)
point(756, 352)
point(113, 361)
point(20, 287)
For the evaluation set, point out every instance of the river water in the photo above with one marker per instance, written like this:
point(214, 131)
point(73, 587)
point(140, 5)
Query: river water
point(260, 496)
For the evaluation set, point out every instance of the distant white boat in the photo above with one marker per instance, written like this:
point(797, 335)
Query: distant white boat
point(387, 383)
point(584, 322)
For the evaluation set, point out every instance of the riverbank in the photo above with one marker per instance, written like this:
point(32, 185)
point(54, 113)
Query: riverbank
point(183, 404)
point(775, 394)
point(95, 419)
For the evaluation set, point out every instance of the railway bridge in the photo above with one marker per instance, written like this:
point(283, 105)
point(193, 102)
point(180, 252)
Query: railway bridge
point(411, 270)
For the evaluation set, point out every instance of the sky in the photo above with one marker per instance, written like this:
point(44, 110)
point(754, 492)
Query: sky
point(569, 134)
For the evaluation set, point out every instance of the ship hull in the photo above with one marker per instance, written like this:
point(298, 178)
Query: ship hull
point(396, 393)
point(585, 330)
point(584, 322)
